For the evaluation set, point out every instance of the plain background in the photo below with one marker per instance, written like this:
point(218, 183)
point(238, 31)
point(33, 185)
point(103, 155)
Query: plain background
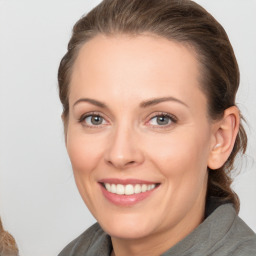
point(39, 202)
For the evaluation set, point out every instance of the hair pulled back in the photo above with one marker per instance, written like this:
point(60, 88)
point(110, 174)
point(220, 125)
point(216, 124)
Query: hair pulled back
point(182, 21)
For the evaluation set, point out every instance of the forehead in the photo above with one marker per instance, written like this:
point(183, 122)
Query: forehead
point(138, 67)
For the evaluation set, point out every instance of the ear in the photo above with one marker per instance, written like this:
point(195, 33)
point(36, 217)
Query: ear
point(224, 137)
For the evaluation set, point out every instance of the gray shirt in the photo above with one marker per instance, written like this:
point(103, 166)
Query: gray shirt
point(222, 233)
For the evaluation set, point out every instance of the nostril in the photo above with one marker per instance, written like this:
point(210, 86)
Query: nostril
point(121, 164)
point(130, 163)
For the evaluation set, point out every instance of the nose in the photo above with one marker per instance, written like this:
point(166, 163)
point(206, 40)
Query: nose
point(124, 150)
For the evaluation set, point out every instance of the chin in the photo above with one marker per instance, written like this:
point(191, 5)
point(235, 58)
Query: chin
point(127, 233)
point(127, 227)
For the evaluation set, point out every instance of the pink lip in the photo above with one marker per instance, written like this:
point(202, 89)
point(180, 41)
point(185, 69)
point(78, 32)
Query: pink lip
point(125, 200)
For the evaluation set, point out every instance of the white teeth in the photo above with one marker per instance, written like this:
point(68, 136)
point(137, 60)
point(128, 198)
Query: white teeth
point(144, 188)
point(129, 189)
point(120, 189)
point(151, 186)
point(137, 189)
point(108, 186)
point(113, 188)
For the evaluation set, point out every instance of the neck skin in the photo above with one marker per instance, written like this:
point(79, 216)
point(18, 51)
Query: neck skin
point(160, 242)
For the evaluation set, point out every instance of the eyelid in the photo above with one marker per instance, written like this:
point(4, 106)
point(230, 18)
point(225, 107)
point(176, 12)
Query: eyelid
point(172, 117)
point(93, 113)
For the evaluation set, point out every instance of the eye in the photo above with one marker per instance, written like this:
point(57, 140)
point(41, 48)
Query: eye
point(93, 120)
point(162, 120)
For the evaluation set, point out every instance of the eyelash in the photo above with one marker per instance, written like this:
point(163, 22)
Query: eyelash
point(172, 118)
point(91, 114)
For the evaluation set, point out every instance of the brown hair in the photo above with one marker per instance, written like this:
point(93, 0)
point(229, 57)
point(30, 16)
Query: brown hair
point(182, 21)
point(8, 246)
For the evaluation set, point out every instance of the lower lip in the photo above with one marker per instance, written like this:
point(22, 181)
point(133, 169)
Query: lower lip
point(126, 200)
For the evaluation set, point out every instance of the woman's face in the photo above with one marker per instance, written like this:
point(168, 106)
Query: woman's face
point(138, 135)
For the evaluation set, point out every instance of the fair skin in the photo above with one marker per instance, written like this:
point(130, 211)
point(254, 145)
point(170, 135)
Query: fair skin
point(138, 116)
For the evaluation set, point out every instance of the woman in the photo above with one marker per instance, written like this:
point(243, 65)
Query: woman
point(152, 130)
point(8, 245)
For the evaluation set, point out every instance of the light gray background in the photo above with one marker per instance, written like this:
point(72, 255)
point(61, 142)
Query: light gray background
point(39, 202)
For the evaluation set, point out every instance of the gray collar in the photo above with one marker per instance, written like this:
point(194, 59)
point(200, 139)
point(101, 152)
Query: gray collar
point(202, 241)
point(206, 237)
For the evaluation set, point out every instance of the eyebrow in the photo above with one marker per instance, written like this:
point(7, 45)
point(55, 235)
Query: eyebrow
point(92, 101)
point(143, 104)
point(156, 101)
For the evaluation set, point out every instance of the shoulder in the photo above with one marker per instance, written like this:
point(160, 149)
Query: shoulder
point(94, 241)
point(222, 233)
point(238, 240)
point(241, 240)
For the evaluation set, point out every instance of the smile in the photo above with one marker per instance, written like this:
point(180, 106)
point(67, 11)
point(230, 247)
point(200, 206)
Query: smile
point(128, 189)
point(127, 192)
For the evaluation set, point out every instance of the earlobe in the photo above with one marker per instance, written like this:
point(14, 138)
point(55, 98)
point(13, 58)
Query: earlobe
point(225, 134)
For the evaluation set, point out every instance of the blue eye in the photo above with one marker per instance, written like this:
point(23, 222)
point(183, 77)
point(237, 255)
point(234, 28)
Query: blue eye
point(161, 120)
point(93, 120)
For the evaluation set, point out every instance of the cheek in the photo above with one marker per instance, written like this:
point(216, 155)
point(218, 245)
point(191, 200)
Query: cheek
point(183, 164)
point(84, 152)
point(182, 157)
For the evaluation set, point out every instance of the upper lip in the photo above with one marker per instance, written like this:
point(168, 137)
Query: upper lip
point(126, 181)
